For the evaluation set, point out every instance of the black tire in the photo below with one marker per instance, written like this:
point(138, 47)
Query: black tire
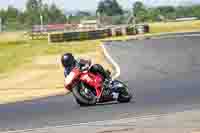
point(80, 103)
point(124, 95)
point(124, 98)
point(81, 100)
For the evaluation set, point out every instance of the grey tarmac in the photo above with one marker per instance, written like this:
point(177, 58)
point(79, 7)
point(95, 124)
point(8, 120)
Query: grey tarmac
point(163, 74)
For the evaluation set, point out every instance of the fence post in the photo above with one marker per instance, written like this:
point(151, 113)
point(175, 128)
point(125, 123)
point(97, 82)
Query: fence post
point(124, 31)
point(113, 31)
point(49, 37)
point(1, 28)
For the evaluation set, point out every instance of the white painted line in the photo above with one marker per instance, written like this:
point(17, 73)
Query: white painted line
point(161, 36)
point(166, 35)
point(110, 59)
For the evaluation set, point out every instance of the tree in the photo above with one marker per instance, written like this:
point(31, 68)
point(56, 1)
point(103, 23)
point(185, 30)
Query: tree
point(56, 15)
point(3, 16)
point(12, 18)
point(33, 12)
point(196, 11)
point(51, 14)
point(168, 12)
point(109, 8)
point(137, 7)
point(140, 12)
point(153, 14)
point(12, 12)
point(182, 11)
point(45, 13)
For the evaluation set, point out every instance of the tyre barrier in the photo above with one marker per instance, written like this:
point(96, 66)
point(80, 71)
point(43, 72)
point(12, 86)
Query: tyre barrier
point(38, 35)
point(83, 35)
point(90, 35)
point(57, 37)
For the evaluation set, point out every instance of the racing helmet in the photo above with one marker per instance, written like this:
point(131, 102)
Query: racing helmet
point(67, 60)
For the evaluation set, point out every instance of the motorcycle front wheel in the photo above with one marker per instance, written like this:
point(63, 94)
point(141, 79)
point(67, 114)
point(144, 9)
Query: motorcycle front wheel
point(84, 95)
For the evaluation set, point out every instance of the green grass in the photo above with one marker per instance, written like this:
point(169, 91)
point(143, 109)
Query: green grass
point(162, 27)
point(15, 50)
point(14, 53)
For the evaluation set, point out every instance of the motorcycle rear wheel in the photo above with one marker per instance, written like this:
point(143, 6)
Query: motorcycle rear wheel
point(124, 98)
point(124, 94)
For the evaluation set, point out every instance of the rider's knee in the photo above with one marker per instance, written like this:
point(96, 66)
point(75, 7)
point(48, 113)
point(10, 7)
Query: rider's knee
point(97, 68)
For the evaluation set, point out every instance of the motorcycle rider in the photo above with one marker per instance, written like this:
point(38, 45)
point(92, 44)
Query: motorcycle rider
point(69, 62)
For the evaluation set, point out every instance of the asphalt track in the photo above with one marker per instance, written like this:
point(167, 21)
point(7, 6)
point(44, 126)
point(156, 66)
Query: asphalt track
point(164, 75)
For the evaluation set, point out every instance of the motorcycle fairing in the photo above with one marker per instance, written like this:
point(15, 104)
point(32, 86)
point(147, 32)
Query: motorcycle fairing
point(94, 81)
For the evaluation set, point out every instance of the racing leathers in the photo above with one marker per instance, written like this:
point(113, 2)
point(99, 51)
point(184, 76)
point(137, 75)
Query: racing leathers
point(81, 64)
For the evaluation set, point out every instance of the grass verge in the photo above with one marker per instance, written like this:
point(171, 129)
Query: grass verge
point(16, 53)
point(184, 26)
point(32, 67)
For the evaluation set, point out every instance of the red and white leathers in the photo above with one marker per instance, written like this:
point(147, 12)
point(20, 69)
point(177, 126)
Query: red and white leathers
point(74, 72)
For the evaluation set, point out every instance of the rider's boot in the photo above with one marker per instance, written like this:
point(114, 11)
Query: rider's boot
point(107, 79)
point(107, 74)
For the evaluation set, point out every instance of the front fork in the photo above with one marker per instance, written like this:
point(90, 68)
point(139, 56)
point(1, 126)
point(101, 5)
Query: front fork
point(108, 85)
point(100, 94)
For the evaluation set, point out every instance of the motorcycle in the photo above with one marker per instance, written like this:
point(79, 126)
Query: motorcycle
point(89, 88)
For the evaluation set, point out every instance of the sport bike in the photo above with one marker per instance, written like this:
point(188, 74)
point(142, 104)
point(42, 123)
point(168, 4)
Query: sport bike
point(89, 88)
